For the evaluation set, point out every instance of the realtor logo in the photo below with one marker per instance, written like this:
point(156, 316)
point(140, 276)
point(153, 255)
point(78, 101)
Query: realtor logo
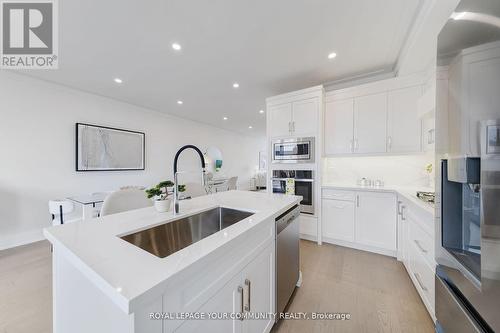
point(29, 34)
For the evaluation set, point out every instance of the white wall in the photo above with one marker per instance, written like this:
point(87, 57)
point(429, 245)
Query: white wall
point(37, 146)
point(400, 170)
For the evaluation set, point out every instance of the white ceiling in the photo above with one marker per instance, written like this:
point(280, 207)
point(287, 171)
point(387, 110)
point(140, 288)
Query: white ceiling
point(269, 47)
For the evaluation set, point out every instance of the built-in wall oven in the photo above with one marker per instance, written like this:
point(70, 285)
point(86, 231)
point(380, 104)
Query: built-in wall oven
point(294, 150)
point(298, 182)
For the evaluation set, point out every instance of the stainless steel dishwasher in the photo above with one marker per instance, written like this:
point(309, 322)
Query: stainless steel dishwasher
point(287, 256)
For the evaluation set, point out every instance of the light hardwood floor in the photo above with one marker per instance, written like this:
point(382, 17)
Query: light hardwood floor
point(26, 289)
point(374, 289)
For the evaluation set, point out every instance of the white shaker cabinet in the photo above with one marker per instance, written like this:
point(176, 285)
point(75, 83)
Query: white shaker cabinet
point(280, 118)
point(339, 126)
point(376, 219)
point(370, 124)
point(365, 220)
point(338, 219)
point(403, 122)
point(251, 290)
point(298, 118)
point(305, 117)
point(227, 300)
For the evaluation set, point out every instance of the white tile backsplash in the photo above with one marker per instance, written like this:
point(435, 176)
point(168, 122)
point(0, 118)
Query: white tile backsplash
point(400, 170)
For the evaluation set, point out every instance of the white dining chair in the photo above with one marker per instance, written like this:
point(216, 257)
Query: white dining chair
point(63, 211)
point(231, 183)
point(124, 200)
point(194, 190)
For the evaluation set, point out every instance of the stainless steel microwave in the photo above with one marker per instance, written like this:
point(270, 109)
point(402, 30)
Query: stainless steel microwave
point(295, 150)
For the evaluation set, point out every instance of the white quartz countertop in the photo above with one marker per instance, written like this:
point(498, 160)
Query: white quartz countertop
point(409, 193)
point(129, 275)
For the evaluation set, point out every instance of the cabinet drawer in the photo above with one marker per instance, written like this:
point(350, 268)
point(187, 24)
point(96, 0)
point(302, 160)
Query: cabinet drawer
point(422, 241)
point(422, 276)
point(339, 194)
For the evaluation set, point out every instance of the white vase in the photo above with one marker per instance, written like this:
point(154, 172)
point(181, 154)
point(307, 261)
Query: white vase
point(163, 206)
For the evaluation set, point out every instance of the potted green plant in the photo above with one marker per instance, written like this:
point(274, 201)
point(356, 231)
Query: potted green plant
point(160, 195)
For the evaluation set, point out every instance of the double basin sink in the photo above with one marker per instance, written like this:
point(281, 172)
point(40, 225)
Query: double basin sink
point(168, 238)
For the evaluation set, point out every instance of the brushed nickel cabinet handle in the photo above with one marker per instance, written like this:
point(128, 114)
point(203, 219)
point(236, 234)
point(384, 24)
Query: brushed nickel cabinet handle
point(240, 290)
point(417, 277)
point(357, 200)
point(249, 285)
point(399, 207)
point(403, 217)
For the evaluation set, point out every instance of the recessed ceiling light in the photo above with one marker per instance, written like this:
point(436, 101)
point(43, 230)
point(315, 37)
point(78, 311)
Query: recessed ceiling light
point(118, 80)
point(176, 46)
point(332, 55)
point(250, 127)
point(225, 118)
point(236, 85)
point(180, 102)
point(261, 111)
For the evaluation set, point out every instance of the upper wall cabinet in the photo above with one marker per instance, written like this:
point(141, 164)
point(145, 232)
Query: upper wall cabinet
point(339, 126)
point(295, 114)
point(370, 124)
point(280, 117)
point(376, 118)
point(403, 123)
point(305, 117)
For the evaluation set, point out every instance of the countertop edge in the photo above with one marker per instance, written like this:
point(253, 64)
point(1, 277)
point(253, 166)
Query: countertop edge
point(403, 191)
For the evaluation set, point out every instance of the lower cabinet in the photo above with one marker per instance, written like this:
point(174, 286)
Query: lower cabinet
point(250, 291)
point(417, 251)
point(308, 227)
point(361, 219)
point(338, 219)
point(376, 220)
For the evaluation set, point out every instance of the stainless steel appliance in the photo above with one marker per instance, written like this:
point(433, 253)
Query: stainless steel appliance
point(294, 150)
point(468, 177)
point(299, 182)
point(287, 256)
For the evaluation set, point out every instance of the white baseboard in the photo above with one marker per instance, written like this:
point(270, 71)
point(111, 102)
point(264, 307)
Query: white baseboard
point(23, 238)
point(361, 247)
point(309, 237)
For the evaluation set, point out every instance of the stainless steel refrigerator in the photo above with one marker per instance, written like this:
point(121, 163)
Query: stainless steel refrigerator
point(468, 161)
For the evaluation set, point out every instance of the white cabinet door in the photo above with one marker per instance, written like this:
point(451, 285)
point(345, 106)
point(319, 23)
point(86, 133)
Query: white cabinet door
point(338, 219)
point(308, 226)
point(227, 300)
point(305, 117)
point(280, 118)
point(376, 219)
point(258, 281)
point(370, 124)
point(403, 123)
point(338, 127)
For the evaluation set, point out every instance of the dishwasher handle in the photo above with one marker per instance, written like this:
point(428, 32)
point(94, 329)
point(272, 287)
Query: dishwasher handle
point(287, 218)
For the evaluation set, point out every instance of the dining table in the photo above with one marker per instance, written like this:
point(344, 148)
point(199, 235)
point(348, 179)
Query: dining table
point(89, 202)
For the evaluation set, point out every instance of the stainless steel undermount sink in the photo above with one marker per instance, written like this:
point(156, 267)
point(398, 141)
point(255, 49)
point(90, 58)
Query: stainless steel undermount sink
point(170, 237)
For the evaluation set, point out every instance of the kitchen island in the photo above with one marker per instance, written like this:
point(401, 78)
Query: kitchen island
point(103, 283)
